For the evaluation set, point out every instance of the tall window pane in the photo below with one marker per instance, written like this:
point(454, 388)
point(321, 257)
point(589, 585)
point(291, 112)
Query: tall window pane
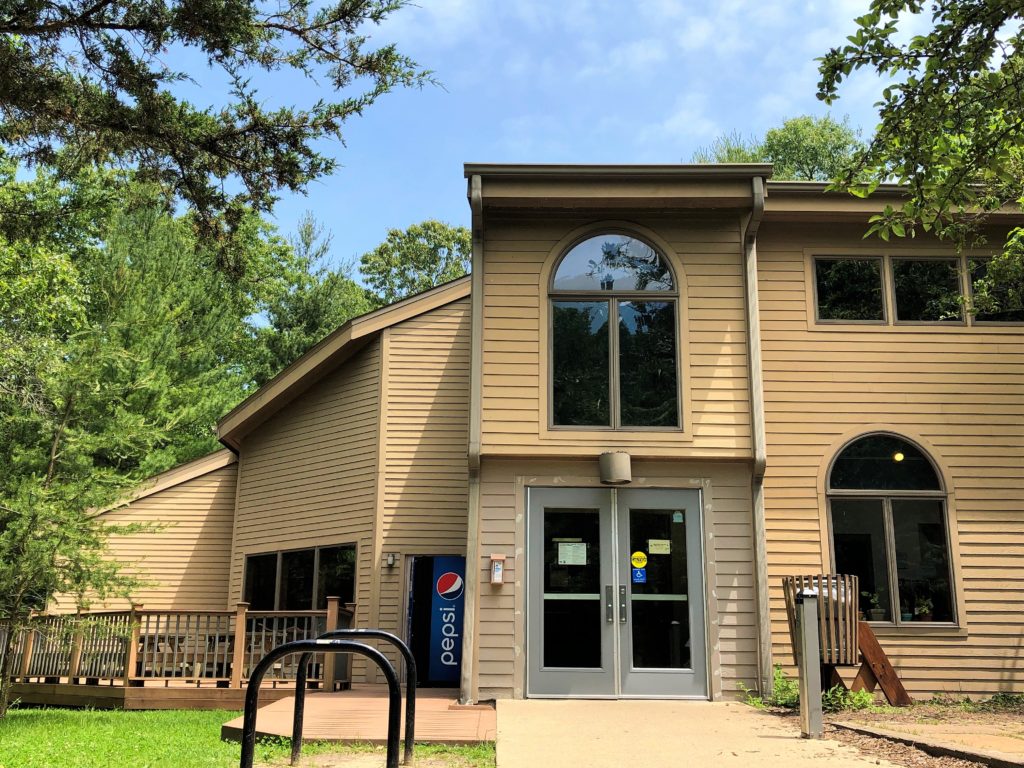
point(260, 581)
point(922, 560)
point(580, 365)
point(858, 531)
point(927, 290)
point(296, 588)
point(849, 289)
point(648, 389)
point(337, 575)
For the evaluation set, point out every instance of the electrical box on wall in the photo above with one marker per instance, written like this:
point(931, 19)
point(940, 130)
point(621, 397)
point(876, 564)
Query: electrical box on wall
point(497, 569)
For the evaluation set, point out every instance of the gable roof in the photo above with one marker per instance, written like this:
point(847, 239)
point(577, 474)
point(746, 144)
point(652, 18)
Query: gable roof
point(326, 356)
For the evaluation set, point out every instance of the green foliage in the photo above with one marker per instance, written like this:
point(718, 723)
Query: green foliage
point(88, 84)
point(55, 738)
point(804, 148)
point(840, 699)
point(416, 259)
point(951, 127)
point(311, 302)
point(785, 692)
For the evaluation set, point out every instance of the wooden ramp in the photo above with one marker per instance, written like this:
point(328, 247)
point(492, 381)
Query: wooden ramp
point(361, 715)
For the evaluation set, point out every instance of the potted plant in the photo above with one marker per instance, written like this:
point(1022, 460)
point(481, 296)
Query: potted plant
point(923, 609)
point(875, 611)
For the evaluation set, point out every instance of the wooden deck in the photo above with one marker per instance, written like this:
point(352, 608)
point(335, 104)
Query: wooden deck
point(361, 715)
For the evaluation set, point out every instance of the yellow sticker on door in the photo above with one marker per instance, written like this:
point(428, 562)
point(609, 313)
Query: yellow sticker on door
point(639, 560)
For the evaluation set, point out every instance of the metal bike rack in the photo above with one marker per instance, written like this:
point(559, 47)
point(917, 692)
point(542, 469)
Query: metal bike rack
point(252, 693)
point(410, 687)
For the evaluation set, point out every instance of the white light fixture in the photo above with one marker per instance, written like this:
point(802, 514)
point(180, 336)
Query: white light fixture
point(391, 560)
point(615, 468)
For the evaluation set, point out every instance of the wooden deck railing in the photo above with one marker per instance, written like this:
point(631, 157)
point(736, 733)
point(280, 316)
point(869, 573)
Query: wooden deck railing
point(140, 646)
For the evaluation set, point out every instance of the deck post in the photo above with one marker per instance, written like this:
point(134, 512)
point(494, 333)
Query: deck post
point(77, 640)
point(26, 650)
point(131, 656)
point(330, 658)
point(238, 651)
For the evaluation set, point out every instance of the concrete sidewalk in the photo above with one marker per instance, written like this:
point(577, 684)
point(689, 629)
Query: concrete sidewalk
point(536, 733)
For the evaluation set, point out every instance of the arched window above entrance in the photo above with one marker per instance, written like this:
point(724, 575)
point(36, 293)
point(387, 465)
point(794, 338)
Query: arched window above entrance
point(614, 336)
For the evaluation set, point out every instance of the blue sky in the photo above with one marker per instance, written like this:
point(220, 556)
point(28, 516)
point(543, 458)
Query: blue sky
point(567, 81)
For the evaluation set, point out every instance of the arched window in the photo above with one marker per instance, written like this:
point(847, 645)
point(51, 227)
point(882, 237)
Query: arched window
point(623, 379)
point(888, 519)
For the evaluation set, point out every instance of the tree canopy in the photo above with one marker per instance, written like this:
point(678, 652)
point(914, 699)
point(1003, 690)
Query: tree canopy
point(951, 121)
point(802, 148)
point(416, 259)
point(92, 82)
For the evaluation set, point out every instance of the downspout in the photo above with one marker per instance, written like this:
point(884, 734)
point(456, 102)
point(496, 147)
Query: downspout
point(764, 635)
point(468, 685)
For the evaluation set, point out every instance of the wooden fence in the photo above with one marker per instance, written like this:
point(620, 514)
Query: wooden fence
point(140, 646)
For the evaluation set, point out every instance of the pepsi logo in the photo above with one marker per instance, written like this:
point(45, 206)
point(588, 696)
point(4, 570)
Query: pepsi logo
point(450, 586)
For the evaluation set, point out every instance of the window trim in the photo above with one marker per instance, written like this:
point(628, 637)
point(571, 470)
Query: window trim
point(886, 496)
point(840, 257)
point(279, 553)
point(612, 298)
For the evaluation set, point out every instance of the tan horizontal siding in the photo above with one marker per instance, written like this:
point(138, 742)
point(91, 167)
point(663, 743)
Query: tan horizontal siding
point(515, 345)
point(501, 521)
point(184, 560)
point(959, 390)
point(308, 475)
point(424, 475)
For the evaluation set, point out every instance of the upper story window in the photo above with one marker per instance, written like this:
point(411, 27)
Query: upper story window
point(888, 521)
point(905, 290)
point(622, 378)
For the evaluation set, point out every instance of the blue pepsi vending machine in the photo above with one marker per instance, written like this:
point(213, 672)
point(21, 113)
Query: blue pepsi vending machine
point(436, 613)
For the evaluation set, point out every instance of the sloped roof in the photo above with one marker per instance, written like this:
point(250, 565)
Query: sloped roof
point(326, 356)
point(176, 476)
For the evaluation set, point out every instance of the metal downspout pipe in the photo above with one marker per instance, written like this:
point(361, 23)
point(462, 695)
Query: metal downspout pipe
point(764, 639)
point(468, 686)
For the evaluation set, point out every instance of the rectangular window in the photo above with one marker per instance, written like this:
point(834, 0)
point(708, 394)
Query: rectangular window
point(1006, 310)
point(849, 289)
point(858, 535)
point(260, 581)
point(337, 575)
point(898, 549)
point(300, 579)
point(647, 364)
point(927, 290)
point(580, 366)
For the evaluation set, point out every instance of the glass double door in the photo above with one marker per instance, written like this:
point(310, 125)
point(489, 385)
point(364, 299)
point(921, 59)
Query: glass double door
point(615, 593)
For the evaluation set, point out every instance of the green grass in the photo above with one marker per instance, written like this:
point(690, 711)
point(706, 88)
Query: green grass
point(66, 738)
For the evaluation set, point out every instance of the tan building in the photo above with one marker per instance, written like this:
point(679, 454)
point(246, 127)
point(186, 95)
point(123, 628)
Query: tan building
point(772, 394)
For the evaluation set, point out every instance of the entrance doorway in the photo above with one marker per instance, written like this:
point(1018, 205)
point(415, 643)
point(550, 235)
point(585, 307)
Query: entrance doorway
point(615, 593)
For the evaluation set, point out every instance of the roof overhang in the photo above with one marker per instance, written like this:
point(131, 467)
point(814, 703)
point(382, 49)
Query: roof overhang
point(325, 357)
point(617, 186)
point(176, 476)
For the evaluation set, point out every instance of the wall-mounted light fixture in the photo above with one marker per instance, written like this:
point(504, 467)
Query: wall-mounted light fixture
point(615, 468)
point(391, 560)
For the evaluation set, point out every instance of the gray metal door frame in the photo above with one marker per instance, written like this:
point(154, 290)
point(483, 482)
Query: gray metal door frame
point(616, 677)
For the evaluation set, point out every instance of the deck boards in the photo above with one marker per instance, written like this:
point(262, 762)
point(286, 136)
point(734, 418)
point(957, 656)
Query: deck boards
point(361, 715)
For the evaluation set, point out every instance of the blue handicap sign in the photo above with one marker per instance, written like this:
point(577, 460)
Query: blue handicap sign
point(639, 575)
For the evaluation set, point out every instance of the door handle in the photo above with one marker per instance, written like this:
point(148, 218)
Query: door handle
point(609, 609)
point(622, 604)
